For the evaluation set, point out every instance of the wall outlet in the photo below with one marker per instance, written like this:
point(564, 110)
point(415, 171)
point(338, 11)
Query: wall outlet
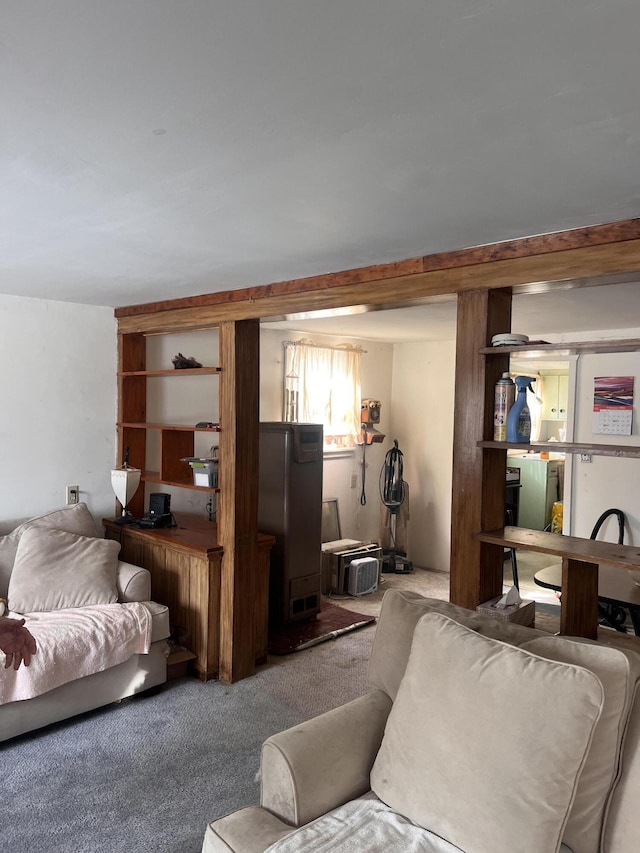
point(73, 494)
point(585, 457)
point(354, 481)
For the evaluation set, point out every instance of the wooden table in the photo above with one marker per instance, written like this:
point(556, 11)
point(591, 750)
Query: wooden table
point(184, 563)
point(616, 589)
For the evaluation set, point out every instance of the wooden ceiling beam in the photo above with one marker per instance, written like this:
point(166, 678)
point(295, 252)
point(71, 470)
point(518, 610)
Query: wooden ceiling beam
point(599, 251)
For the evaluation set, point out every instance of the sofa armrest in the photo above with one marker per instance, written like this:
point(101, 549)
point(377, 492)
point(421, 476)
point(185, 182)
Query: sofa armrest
point(316, 766)
point(133, 583)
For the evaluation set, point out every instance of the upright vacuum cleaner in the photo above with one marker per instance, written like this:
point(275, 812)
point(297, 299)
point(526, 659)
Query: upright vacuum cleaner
point(393, 492)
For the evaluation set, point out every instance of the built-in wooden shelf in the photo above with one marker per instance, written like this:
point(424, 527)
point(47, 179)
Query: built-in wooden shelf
point(567, 348)
point(559, 545)
point(171, 427)
point(621, 450)
point(190, 371)
point(581, 559)
point(154, 477)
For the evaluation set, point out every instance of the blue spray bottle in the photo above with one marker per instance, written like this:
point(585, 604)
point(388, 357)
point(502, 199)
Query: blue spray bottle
point(519, 417)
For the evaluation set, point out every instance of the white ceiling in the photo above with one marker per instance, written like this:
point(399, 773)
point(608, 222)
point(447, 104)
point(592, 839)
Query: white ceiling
point(157, 149)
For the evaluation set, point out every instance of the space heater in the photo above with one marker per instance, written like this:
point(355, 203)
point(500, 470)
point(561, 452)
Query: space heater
point(363, 576)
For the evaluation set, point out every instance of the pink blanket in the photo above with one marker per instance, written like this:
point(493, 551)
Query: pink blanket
point(76, 642)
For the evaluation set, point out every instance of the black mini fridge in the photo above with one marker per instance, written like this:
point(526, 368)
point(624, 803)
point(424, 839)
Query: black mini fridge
point(290, 509)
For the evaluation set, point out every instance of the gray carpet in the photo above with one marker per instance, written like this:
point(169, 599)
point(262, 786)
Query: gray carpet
point(148, 774)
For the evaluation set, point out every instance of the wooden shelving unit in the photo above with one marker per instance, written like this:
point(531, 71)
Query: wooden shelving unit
point(482, 279)
point(572, 547)
point(580, 557)
point(235, 614)
point(580, 561)
point(177, 441)
point(620, 450)
point(535, 350)
point(189, 371)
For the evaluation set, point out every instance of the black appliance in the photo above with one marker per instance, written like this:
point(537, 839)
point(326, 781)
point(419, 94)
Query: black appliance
point(512, 498)
point(290, 509)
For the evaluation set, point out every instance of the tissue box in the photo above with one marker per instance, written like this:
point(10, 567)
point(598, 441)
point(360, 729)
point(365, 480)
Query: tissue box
point(523, 613)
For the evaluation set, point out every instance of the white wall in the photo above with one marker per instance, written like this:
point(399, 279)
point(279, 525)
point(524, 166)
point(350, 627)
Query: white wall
point(605, 482)
point(185, 399)
point(357, 521)
point(422, 407)
point(58, 414)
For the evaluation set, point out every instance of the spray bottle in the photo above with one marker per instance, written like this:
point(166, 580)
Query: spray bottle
point(519, 418)
point(505, 396)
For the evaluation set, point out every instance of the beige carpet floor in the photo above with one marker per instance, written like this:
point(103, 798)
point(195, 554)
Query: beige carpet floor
point(434, 584)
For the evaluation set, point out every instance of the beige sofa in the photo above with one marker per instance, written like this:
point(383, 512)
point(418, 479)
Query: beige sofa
point(477, 735)
point(100, 637)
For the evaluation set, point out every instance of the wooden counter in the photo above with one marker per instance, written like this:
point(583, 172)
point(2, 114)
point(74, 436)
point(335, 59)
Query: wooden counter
point(580, 561)
point(185, 565)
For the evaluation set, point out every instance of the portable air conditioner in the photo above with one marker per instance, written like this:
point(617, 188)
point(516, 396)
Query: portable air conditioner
point(363, 576)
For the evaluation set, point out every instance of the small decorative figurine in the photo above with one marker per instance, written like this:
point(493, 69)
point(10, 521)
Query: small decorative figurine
point(181, 362)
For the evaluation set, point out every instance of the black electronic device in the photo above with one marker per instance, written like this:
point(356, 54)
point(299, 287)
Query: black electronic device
point(153, 522)
point(159, 514)
point(159, 503)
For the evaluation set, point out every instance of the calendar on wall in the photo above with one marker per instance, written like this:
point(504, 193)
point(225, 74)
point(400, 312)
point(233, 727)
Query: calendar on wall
point(613, 405)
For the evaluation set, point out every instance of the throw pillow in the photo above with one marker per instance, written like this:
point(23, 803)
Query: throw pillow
point(485, 742)
point(619, 671)
point(54, 570)
point(74, 519)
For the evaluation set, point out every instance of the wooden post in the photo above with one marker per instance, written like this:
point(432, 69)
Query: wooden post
point(579, 610)
point(238, 506)
point(479, 477)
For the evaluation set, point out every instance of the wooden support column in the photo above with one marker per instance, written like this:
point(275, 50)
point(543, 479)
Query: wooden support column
point(479, 477)
point(579, 611)
point(238, 506)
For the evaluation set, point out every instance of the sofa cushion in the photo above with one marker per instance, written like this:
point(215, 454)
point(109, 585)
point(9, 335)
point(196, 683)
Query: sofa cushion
point(73, 519)
point(363, 825)
point(485, 742)
point(619, 671)
point(401, 610)
point(54, 570)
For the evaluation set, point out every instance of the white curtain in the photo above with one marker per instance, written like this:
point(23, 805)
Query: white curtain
point(327, 380)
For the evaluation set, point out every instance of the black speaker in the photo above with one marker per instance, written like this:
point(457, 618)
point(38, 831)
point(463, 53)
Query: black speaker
point(159, 503)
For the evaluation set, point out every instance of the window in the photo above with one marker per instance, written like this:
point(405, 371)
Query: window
point(322, 386)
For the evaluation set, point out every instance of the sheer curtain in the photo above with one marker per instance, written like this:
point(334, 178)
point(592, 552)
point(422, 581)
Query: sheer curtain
point(327, 384)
